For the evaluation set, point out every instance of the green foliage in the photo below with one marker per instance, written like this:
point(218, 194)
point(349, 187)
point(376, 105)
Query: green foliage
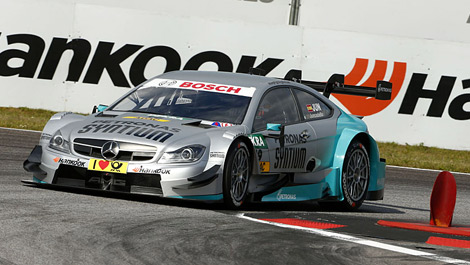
point(24, 118)
point(421, 156)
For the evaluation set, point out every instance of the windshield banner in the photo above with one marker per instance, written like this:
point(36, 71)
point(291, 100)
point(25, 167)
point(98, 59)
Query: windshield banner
point(197, 85)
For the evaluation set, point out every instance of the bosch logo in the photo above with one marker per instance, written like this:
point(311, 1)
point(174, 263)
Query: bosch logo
point(110, 150)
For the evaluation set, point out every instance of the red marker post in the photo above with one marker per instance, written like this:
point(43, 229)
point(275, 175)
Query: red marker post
point(443, 197)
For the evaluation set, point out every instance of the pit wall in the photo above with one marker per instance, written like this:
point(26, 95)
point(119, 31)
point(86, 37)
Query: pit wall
point(68, 55)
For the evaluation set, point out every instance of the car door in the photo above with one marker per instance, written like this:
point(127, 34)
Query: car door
point(321, 117)
point(276, 152)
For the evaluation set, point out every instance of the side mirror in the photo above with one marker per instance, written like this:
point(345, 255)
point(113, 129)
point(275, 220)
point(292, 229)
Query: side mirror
point(274, 127)
point(99, 108)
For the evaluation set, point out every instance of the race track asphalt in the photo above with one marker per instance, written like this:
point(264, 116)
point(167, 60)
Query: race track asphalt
point(57, 226)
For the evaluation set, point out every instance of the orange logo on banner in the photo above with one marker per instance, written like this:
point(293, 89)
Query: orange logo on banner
point(367, 106)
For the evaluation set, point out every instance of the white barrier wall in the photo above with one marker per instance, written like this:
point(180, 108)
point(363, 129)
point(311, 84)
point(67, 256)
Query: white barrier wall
point(71, 55)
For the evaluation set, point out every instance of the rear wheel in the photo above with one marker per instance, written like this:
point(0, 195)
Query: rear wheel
point(356, 175)
point(237, 172)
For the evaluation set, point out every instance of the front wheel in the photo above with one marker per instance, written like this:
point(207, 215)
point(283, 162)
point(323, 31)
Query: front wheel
point(356, 175)
point(237, 172)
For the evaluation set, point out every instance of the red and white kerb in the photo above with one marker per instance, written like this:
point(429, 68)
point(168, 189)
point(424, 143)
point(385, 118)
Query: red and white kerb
point(210, 87)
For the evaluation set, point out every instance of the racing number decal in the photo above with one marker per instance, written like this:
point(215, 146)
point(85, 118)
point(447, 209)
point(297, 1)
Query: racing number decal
point(108, 166)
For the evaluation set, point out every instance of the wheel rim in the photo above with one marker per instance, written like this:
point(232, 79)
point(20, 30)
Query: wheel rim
point(357, 175)
point(239, 175)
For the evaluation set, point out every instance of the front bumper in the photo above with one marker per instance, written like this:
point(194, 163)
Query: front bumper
point(33, 162)
point(176, 181)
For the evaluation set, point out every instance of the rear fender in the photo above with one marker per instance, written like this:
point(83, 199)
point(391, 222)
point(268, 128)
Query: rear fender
point(334, 178)
point(377, 167)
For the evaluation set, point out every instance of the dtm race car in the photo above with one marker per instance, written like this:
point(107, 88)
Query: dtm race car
point(217, 136)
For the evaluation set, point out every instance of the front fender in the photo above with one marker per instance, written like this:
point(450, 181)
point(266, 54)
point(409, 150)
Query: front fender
point(56, 122)
point(61, 119)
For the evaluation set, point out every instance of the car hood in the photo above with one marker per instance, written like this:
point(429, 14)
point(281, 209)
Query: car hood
point(148, 129)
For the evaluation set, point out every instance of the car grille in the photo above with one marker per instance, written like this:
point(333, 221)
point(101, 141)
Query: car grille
point(132, 182)
point(127, 151)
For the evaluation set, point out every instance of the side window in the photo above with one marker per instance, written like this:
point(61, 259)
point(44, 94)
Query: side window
point(277, 106)
point(310, 106)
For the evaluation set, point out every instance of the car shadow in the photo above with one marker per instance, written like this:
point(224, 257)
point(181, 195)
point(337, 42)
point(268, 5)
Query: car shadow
point(304, 206)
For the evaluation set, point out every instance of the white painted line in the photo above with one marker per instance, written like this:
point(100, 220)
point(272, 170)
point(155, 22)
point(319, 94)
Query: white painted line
point(360, 241)
point(430, 170)
point(21, 130)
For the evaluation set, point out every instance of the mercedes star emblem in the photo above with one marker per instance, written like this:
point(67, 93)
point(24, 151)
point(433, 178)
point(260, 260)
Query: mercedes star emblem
point(110, 150)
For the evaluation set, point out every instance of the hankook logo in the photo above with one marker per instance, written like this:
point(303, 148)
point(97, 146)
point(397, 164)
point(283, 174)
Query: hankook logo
point(90, 61)
point(110, 150)
point(368, 106)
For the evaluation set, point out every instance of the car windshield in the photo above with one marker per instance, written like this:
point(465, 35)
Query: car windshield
point(187, 103)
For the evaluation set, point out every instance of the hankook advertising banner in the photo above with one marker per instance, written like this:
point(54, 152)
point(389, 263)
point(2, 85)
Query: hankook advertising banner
point(72, 55)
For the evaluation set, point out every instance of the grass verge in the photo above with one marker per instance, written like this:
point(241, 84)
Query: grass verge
point(421, 156)
point(418, 156)
point(24, 118)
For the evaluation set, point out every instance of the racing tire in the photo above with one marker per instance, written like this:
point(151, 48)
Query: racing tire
point(356, 176)
point(237, 173)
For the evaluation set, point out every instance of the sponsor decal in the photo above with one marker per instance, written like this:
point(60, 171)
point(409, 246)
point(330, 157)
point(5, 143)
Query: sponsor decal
point(278, 82)
point(221, 124)
point(347, 196)
point(258, 141)
point(315, 107)
point(380, 88)
point(232, 135)
point(145, 118)
point(70, 162)
point(259, 153)
point(217, 155)
point(264, 166)
point(218, 88)
point(281, 196)
point(290, 158)
point(167, 83)
point(316, 115)
point(181, 101)
point(138, 129)
point(141, 169)
point(58, 117)
point(105, 183)
point(295, 138)
point(108, 166)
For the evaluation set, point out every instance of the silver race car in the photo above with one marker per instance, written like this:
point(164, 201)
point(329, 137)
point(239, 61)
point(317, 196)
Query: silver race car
point(216, 136)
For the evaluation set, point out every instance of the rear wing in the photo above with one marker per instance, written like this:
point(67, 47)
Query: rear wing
point(335, 85)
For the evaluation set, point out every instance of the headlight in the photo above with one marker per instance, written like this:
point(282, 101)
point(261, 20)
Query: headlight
point(186, 154)
point(58, 143)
